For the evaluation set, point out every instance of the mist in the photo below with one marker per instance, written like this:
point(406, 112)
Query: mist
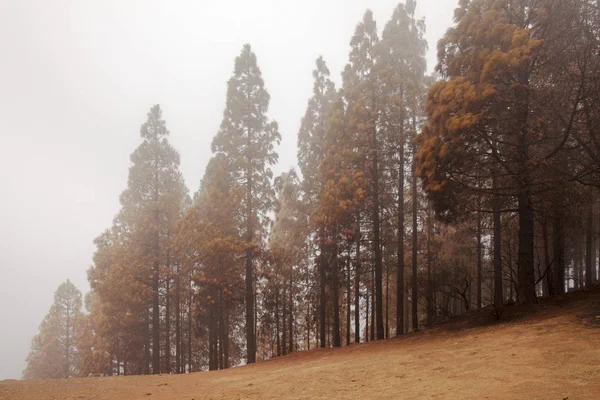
point(76, 81)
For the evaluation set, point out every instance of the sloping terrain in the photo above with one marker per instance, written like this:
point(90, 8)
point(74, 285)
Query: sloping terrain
point(547, 351)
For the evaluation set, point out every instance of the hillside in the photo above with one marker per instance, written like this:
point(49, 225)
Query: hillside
point(547, 351)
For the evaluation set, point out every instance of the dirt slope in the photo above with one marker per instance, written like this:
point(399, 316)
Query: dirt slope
point(547, 351)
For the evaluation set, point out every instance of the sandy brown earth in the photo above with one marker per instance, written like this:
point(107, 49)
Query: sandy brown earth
point(546, 351)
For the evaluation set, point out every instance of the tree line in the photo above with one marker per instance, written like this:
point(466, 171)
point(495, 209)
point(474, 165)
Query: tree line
point(417, 198)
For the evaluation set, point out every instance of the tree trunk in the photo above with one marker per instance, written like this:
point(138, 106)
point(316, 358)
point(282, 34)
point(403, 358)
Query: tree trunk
point(155, 317)
point(589, 256)
point(549, 278)
point(178, 364)
point(357, 273)
point(226, 338)
point(291, 315)
point(189, 326)
point(429, 282)
point(284, 321)
point(167, 366)
point(387, 296)
point(378, 301)
point(479, 271)
point(400, 245)
point(148, 318)
point(372, 303)
point(323, 300)
point(348, 300)
point(277, 333)
point(337, 340)
point(558, 252)
point(415, 317)
point(497, 227)
point(367, 300)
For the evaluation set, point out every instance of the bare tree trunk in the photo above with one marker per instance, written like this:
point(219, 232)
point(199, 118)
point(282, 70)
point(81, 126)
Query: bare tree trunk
point(497, 227)
point(284, 321)
point(429, 282)
point(337, 340)
point(189, 326)
point(357, 273)
point(277, 323)
point(323, 300)
point(291, 315)
point(415, 317)
point(146, 366)
point(549, 279)
point(348, 300)
point(167, 366)
point(558, 251)
point(372, 303)
point(479, 271)
point(400, 243)
point(387, 296)
point(589, 256)
point(367, 299)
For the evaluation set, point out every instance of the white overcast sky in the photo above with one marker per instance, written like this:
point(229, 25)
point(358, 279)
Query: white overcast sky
point(76, 81)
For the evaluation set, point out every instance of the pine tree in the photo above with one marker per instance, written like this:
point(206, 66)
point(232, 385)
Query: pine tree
point(311, 153)
point(247, 138)
point(401, 68)
point(494, 115)
point(53, 349)
point(362, 91)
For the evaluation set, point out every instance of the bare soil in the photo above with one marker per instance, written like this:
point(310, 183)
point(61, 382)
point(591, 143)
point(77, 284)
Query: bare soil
point(546, 351)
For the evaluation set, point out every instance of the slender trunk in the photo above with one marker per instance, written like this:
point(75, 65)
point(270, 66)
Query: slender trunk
point(387, 297)
point(589, 256)
point(167, 366)
point(367, 300)
point(376, 239)
point(576, 265)
point(357, 273)
point(400, 241)
point(348, 300)
point(372, 303)
point(415, 317)
point(146, 366)
point(337, 340)
point(429, 283)
point(155, 316)
point(558, 251)
point(497, 228)
point(291, 314)
point(594, 248)
point(189, 327)
point(226, 338)
point(549, 278)
point(581, 257)
point(284, 321)
point(211, 332)
point(177, 320)
point(222, 337)
point(67, 343)
point(322, 298)
point(479, 270)
point(277, 334)
point(308, 306)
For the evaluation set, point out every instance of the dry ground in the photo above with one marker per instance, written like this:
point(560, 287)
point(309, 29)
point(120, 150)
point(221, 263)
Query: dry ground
point(547, 351)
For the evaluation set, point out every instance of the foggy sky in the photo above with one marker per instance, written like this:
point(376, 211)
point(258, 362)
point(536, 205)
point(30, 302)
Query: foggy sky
point(76, 81)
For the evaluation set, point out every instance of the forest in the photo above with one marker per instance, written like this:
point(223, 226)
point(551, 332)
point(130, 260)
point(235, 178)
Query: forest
point(417, 198)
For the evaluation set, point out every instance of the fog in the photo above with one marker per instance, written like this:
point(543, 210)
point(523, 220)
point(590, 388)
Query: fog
point(76, 81)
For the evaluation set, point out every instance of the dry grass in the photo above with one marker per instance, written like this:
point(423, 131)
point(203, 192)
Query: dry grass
point(546, 351)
